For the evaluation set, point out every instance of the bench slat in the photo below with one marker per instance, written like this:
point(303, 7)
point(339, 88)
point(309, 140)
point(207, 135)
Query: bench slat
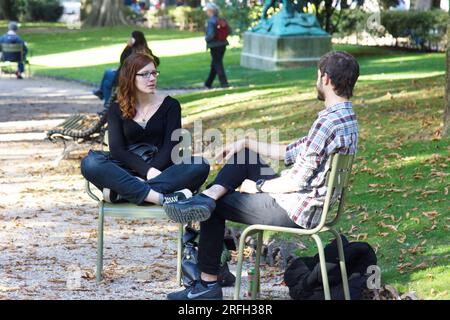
point(129, 210)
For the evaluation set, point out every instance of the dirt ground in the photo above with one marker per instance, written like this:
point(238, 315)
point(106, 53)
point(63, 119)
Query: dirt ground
point(48, 225)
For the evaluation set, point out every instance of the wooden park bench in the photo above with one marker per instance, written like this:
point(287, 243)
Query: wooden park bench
point(80, 129)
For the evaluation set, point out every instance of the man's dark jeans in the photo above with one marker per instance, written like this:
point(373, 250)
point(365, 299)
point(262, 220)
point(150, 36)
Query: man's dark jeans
point(249, 209)
point(104, 172)
point(217, 68)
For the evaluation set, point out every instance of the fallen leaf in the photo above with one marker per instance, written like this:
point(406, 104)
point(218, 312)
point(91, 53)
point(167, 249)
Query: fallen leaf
point(402, 238)
point(352, 228)
point(431, 214)
point(421, 266)
point(389, 226)
point(360, 237)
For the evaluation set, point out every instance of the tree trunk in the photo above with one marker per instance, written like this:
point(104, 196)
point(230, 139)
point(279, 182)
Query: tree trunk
point(106, 13)
point(446, 129)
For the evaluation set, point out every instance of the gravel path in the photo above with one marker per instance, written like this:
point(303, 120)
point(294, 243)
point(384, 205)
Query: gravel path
point(48, 224)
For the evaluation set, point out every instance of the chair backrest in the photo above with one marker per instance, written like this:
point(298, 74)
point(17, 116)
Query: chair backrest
point(337, 182)
point(13, 48)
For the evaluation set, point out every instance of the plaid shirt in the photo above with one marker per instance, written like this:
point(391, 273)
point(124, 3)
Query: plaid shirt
point(334, 131)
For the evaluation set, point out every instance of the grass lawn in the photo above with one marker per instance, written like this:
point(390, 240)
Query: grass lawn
point(398, 200)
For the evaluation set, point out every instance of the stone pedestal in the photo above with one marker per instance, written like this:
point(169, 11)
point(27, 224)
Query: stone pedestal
point(268, 52)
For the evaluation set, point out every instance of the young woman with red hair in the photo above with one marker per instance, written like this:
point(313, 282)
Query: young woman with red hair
point(139, 167)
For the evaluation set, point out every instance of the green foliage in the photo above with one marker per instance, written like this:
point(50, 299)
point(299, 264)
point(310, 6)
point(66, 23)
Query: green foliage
point(12, 9)
point(239, 15)
point(43, 10)
point(188, 18)
point(419, 26)
point(184, 17)
point(31, 10)
point(349, 21)
point(426, 25)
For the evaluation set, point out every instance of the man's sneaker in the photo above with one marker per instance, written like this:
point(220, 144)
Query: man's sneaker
point(198, 291)
point(19, 75)
point(111, 196)
point(197, 208)
point(98, 93)
point(177, 196)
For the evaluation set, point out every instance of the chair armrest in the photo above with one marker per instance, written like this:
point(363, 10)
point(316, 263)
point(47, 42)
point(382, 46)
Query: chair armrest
point(89, 191)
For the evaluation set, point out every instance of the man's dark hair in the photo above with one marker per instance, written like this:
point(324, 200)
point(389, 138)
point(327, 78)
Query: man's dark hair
point(343, 70)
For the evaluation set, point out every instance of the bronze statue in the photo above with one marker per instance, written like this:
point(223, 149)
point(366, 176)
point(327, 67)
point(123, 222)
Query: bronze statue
point(288, 5)
point(290, 20)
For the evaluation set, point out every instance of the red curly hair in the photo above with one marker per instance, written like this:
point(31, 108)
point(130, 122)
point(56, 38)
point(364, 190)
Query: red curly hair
point(126, 95)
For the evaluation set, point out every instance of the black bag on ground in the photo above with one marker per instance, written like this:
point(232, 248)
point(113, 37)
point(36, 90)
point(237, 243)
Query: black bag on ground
point(304, 277)
point(189, 268)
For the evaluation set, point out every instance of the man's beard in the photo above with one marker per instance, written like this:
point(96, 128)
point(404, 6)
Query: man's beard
point(320, 93)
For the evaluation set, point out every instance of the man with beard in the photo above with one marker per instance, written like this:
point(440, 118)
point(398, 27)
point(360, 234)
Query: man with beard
point(294, 199)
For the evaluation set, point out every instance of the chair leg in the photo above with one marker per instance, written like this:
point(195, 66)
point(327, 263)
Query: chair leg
point(237, 285)
point(342, 263)
point(256, 286)
point(179, 252)
point(100, 244)
point(323, 269)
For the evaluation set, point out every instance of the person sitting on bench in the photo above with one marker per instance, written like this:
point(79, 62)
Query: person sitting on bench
point(294, 199)
point(11, 37)
point(141, 116)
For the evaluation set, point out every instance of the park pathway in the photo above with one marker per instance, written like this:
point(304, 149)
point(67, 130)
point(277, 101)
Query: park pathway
point(48, 224)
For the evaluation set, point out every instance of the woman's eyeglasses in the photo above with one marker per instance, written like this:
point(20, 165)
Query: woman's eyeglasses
point(148, 75)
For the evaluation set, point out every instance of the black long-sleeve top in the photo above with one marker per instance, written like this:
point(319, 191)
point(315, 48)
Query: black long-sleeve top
point(124, 132)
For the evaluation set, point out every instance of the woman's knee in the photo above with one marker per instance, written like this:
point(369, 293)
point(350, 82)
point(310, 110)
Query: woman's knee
point(90, 166)
point(201, 166)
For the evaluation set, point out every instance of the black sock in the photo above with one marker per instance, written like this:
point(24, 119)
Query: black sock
point(208, 284)
point(205, 196)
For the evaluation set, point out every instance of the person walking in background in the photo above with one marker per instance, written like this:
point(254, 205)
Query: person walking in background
point(11, 37)
point(216, 41)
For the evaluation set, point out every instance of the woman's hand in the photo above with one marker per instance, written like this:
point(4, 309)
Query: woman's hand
point(152, 173)
point(230, 149)
point(248, 186)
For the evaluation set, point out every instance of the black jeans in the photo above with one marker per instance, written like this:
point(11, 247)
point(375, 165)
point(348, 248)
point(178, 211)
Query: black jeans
point(249, 209)
point(104, 172)
point(217, 54)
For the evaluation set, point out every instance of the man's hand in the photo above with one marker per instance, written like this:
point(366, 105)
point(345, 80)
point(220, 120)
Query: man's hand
point(229, 150)
point(248, 186)
point(152, 173)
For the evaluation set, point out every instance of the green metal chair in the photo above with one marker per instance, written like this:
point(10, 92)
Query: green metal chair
point(337, 182)
point(128, 210)
point(13, 48)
